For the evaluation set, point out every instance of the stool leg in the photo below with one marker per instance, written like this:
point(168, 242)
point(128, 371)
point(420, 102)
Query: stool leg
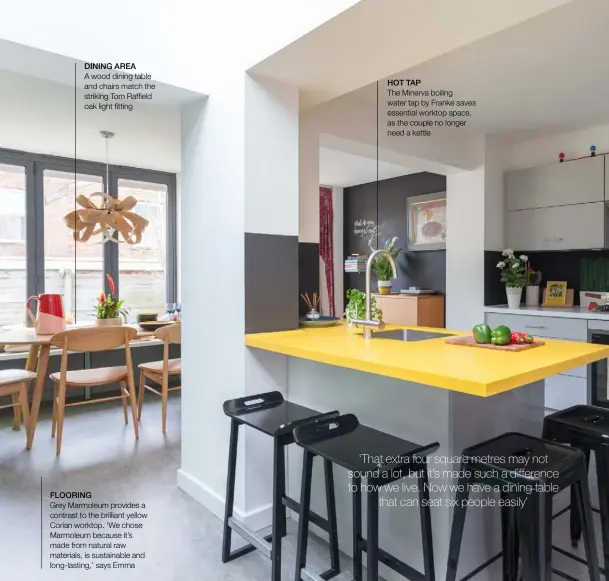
point(278, 508)
point(372, 537)
point(456, 533)
point(230, 489)
point(283, 516)
point(509, 537)
point(574, 521)
point(331, 510)
point(602, 475)
point(535, 526)
point(426, 535)
point(582, 495)
point(305, 506)
point(356, 483)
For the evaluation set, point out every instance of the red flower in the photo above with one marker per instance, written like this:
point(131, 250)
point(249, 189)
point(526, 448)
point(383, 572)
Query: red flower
point(111, 284)
point(102, 298)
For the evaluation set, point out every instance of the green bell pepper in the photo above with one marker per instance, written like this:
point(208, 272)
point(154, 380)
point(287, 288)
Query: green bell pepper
point(501, 335)
point(482, 333)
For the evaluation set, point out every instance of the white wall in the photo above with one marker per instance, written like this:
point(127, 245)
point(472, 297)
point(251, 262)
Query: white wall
point(38, 116)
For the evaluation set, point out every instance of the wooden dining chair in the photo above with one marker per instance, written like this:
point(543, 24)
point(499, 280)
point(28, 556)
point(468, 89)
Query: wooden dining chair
point(15, 382)
point(160, 371)
point(91, 340)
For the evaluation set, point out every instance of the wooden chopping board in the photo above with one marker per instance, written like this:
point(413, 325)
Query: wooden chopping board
point(468, 341)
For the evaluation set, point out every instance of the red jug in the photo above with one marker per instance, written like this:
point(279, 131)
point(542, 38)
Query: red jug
point(50, 318)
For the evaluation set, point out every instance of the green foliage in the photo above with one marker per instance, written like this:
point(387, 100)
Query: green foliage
point(108, 307)
point(382, 266)
point(356, 306)
point(513, 269)
point(594, 274)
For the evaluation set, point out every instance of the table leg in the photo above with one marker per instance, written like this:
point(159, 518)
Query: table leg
point(43, 363)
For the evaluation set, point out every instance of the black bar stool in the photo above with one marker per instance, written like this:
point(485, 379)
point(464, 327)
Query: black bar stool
point(271, 414)
point(532, 470)
point(344, 441)
point(587, 428)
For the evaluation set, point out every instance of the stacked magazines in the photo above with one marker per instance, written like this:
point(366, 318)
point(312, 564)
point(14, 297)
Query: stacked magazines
point(355, 263)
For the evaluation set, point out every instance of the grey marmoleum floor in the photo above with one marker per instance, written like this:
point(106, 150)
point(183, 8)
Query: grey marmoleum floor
point(181, 539)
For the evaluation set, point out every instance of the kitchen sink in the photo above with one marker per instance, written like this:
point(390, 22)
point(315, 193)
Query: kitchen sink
point(409, 335)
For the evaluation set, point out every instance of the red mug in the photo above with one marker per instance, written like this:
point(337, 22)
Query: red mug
point(50, 318)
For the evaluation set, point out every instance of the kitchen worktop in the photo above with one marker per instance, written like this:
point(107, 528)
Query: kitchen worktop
point(480, 372)
point(565, 312)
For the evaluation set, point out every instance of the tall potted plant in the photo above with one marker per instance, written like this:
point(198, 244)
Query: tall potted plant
point(382, 266)
point(513, 276)
point(109, 309)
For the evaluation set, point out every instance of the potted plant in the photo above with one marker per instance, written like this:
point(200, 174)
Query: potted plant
point(513, 276)
point(109, 309)
point(532, 278)
point(356, 308)
point(382, 266)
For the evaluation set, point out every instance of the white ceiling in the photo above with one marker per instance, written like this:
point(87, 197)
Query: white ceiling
point(341, 169)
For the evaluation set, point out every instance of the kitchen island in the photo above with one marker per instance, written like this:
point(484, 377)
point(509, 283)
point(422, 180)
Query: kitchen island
point(413, 384)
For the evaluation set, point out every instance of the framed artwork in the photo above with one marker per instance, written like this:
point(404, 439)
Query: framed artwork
point(556, 293)
point(427, 222)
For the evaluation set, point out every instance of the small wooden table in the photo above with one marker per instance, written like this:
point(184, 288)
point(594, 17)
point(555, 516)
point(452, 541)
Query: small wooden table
point(38, 359)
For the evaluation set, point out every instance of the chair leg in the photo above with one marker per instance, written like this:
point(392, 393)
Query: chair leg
point(303, 520)
point(574, 521)
point(602, 475)
point(25, 408)
point(164, 394)
point(278, 512)
point(54, 421)
point(331, 510)
point(124, 395)
point(230, 489)
point(509, 537)
point(61, 408)
point(140, 395)
point(356, 485)
point(535, 526)
point(456, 533)
point(428, 562)
point(584, 507)
point(16, 412)
point(133, 404)
point(372, 538)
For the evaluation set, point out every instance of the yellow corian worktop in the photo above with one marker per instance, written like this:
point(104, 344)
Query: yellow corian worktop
point(481, 372)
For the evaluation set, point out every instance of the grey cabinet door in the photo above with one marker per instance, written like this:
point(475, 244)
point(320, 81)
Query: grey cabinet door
point(576, 227)
point(559, 184)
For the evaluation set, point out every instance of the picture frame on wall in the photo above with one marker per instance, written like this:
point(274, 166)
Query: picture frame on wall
point(427, 222)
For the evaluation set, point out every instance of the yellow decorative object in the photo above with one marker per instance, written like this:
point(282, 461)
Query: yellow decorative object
point(556, 293)
point(110, 216)
point(480, 372)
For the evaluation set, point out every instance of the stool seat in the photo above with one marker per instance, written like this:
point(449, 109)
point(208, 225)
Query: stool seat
point(582, 420)
point(514, 457)
point(361, 448)
point(269, 413)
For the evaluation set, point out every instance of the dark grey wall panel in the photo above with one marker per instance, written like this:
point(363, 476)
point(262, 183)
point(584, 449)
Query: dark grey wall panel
point(388, 210)
point(308, 272)
point(271, 283)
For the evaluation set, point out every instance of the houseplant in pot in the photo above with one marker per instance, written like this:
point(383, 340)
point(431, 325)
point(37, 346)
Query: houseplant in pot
point(512, 276)
point(382, 267)
point(109, 309)
point(533, 280)
point(356, 309)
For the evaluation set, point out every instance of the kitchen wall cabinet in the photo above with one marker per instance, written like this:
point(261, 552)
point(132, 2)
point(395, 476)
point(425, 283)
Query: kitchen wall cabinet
point(574, 182)
point(418, 311)
point(572, 227)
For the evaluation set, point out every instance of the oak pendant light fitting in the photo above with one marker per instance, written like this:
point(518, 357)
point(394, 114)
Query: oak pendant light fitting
point(113, 218)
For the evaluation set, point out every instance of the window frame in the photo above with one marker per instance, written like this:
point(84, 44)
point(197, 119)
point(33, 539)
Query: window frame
point(35, 166)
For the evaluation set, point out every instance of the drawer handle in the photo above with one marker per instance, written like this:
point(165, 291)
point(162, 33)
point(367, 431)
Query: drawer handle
point(552, 239)
point(535, 326)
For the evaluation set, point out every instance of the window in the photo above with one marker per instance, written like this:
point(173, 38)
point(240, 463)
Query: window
point(13, 276)
point(38, 252)
point(142, 278)
point(72, 269)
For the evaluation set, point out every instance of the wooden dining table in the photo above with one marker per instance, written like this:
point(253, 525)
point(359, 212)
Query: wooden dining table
point(38, 361)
